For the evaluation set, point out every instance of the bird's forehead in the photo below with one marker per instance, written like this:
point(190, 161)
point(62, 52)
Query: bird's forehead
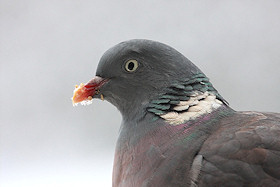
point(112, 59)
point(119, 52)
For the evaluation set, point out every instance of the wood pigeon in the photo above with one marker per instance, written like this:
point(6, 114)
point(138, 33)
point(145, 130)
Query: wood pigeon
point(177, 130)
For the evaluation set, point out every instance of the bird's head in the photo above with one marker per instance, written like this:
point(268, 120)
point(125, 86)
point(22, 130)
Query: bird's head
point(134, 72)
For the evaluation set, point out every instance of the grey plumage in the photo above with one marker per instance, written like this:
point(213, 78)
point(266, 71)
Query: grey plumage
point(177, 130)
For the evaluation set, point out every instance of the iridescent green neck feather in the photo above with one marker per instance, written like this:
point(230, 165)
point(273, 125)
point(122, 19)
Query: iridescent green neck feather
point(185, 100)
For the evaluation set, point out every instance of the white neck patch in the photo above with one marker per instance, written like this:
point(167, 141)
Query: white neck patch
point(198, 104)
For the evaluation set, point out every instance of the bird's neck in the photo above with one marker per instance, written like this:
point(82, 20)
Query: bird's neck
point(132, 130)
point(186, 100)
point(176, 103)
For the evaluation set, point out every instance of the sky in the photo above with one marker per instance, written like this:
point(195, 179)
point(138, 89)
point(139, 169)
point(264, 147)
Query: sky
point(46, 47)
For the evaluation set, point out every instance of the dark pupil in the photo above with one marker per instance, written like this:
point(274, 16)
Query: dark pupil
point(131, 66)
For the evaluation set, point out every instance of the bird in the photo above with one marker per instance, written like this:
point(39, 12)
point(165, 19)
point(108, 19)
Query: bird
point(176, 129)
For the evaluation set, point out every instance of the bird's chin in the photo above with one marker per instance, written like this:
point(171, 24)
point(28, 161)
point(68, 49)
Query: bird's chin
point(84, 93)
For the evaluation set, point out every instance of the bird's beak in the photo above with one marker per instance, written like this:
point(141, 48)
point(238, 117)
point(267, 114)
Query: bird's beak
point(85, 92)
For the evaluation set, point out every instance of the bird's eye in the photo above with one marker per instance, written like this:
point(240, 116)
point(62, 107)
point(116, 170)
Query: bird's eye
point(131, 65)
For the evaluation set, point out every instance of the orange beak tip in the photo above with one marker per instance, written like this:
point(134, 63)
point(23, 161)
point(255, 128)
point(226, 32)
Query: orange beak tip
point(84, 93)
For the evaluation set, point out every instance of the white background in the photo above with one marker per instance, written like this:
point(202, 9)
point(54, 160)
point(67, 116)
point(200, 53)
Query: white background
point(49, 46)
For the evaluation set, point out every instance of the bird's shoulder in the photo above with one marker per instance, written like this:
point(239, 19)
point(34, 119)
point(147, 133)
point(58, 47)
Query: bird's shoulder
point(244, 150)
